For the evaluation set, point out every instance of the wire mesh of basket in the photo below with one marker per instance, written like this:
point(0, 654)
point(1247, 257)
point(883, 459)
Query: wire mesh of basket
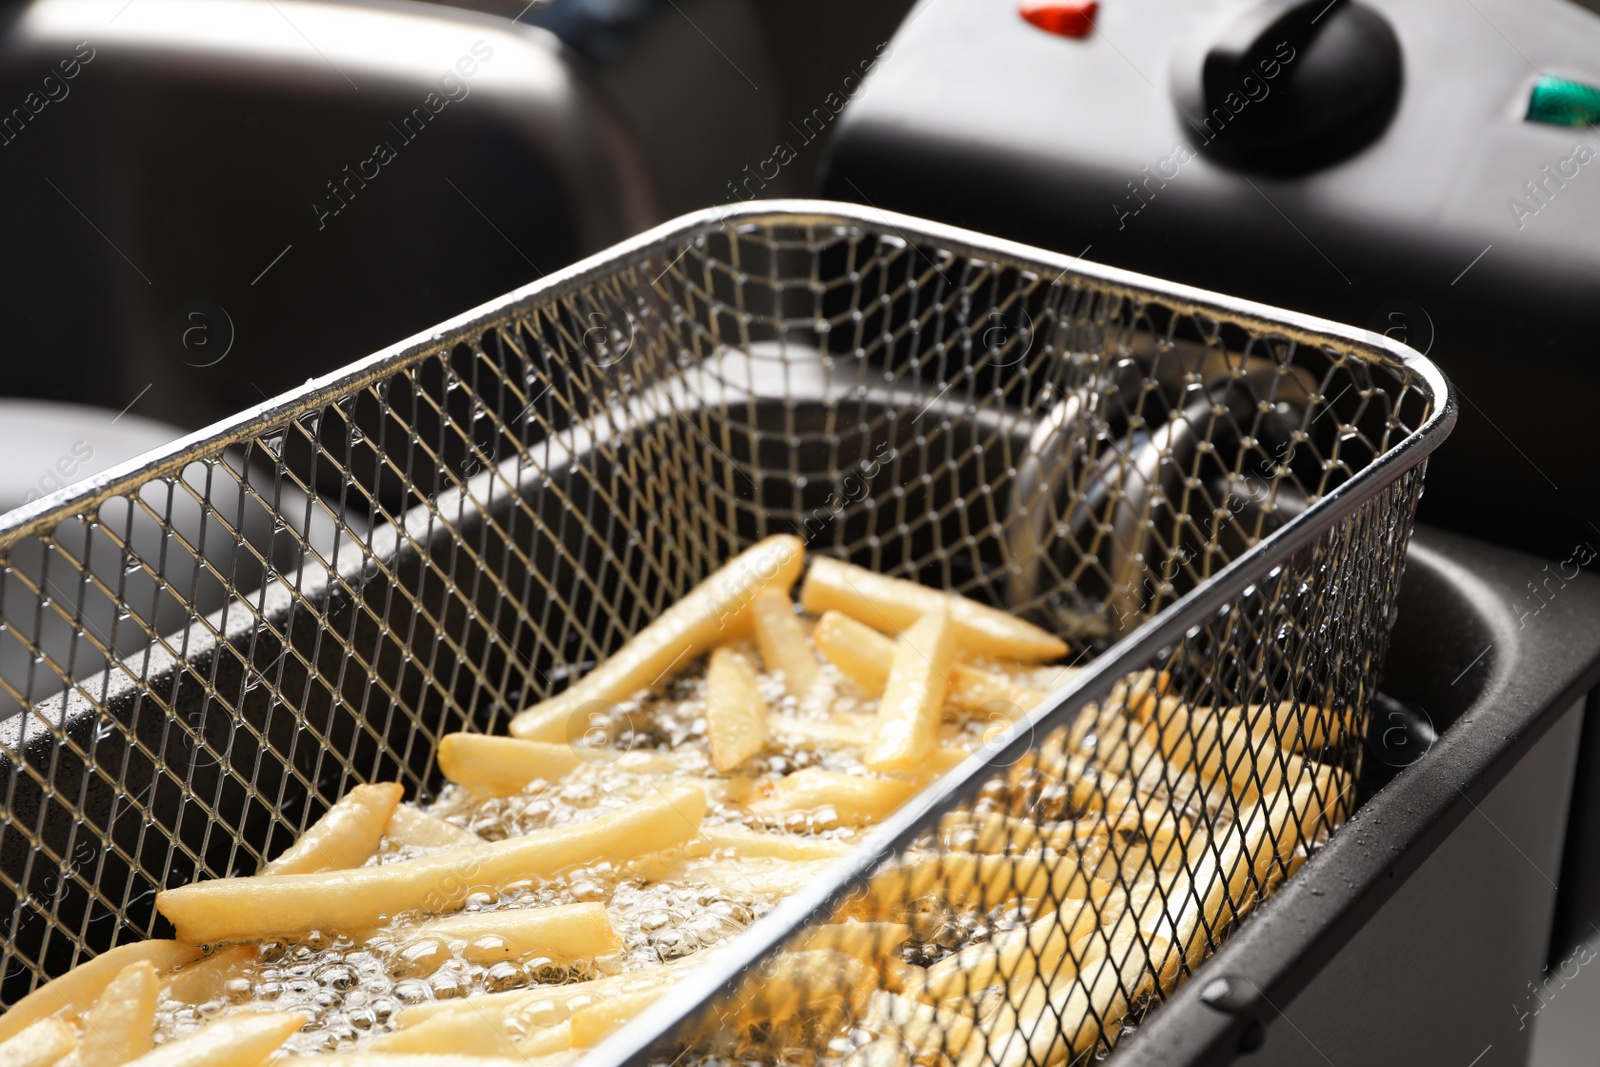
point(1211, 500)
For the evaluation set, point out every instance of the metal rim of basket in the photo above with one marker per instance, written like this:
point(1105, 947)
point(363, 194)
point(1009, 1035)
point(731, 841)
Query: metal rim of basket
point(730, 962)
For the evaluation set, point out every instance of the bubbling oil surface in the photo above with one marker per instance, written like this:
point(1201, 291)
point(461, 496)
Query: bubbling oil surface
point(351, 986)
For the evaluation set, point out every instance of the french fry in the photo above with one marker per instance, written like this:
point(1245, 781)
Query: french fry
point(121, 1025)
point(462, 1033)
point(347, 834)
point(205, 979)
point(979, 692)
point(716, 610)
point(852, 730)
point(1045, 678)
point(1287, 724)
point(1107, 733)
point(943, 758)
point(994, 832)
point(736, 714)
point(834, 797)
point(870, 942)
point(596, 1020)
point(898, 976)
point(521, 1008)
point(812, 980)
point(39, 1044)
point(1069, 1019)
point(861, 653)
point(781, 637)
point(408, 826)
point(882, 1052)
point(759, 875)
point(244, 1039)
point(546, 1041)
point(76, 991)
point(913, 698)
point(976, 881)
point(1225, 751)
point(932, 1033)
point(1230, 875)
point(894, 604)
point(561, 931)
point(752, 843)
point(840, 730)
point(236, 909)
point(1041, 946)
point(503, 766)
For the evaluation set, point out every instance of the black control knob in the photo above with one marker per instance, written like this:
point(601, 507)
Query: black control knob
point(1289, 84)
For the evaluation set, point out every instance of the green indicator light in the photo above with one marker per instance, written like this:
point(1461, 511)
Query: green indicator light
point(1564, 103)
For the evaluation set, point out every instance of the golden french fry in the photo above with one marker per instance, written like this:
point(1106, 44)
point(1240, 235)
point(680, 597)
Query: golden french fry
point(995, 832)
point(39, 1044)
point(546, 1041)
point(931, 1032)
point(882, 1052)
point(243, 1039)
point(595, 1021)
point(646, 763)
point(976, 881)
point(752, 843)
point(347, 834)
point(1287, 724)
point(1224, 750)
point(78, 989)
point(736, 713)
point(408, 826)
point(562, 931)
point(1041, 946)
point(206, 978)
point(852, 730)
point(519, 1009)
point(840, 730)
point(1140, 692)
point(894, 604)
point(945, 757)
point(121, 1025)
point(462, 1033)
point(1072, 1016)
point(781, 637)
point(764, 876)
point(870, 942)
point(503, 766)
point(1229, 876)
point(834, 797)
point(964, 831)
point(815, 979)
point(978, 691)
point(236, 909)
point(1107, 733)
point(907, 729)
point(715, 611)
point(899, 976)
point(861, 653)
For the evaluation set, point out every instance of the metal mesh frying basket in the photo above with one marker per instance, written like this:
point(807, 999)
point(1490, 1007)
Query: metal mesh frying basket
point(200, 651)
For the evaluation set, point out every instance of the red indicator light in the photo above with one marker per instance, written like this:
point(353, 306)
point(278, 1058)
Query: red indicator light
point(1063, 20)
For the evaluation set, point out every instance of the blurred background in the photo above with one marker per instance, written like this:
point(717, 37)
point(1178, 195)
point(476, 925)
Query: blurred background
point(214, 200)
